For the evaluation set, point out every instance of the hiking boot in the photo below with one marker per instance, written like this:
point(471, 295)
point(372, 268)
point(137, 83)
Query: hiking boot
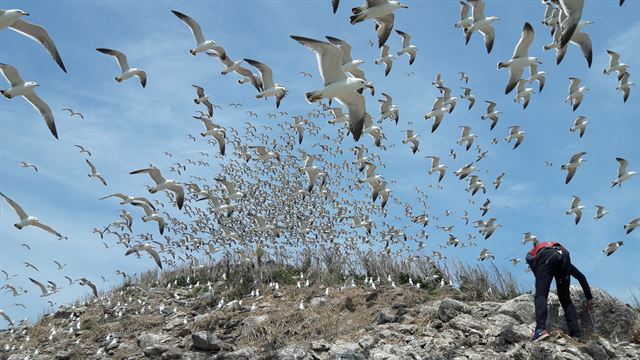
point(539, 335)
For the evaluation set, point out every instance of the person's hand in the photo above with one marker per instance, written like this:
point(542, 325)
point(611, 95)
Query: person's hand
point(590, 304)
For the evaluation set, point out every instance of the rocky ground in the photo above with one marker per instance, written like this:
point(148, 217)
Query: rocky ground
point(170, 321)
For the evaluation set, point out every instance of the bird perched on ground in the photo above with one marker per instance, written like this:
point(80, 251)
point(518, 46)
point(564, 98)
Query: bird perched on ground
point(127, 72)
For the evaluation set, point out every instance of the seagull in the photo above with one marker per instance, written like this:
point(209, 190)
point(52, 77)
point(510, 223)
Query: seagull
point(163, 184)
point(575, 161)
point(517, 134)
point(579, 38)
point(520, 58)
point(437, 112)
point(203, 99)
point(233, 194)
point(612, 247)
point(576, 93)
point(631, 225)
point(467, 136)
point(528, 237)
point(28, 165)
point(45, 291)
point(438, 82)
point(214, 130)
point(385, 58)
point(485, 253)
point(580, 125)
point(268, 86)
point(625, 86)
point(338, 117)
point(83, 150)
point(336, 83)
point(465, 171)
point(151, 215)
point(407, 48)
point(615, 65)
point(127, 71)
point(491, 114)
point(437, 167)
point(85, 282)
point(536, 75)
point(334, 5)
point(475, 184)
point(349, 65)
point(382, 12)
point(12, 19)
point(94, 173)
point(469, 97)
point(482, 24)
point(413, 139)
point(623, 174)
point(486, 206)
point(464, 77)
point(600, 212)
point(576, 209)
point(26, 89)
point(149, 249)
point(350, 283)
point(523, 93)
point(73, 113)
point(26, 220)
point(388, 109)
point(126, 199)
point(498, 181)
point(489, 228)
point(202, 45)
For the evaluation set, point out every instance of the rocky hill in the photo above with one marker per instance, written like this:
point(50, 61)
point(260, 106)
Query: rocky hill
point(189, 318)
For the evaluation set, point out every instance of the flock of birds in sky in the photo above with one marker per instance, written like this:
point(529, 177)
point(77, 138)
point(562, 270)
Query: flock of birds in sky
point(251, 202)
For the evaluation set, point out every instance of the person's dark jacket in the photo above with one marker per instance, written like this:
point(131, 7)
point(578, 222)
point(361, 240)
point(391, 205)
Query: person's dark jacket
point(574, 272)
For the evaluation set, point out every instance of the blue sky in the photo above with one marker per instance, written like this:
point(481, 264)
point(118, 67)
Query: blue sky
point(127, 127)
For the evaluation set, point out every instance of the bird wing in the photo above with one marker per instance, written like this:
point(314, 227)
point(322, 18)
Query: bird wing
point(406, 38)
point(584, 41)
point(39, 34)
point(384, 26)
point(43, 288)
point(614, 58)
point(193, 25)
point(335, 4)
point(153, 254)
point(622, 169)
point(153, 172)
point(265, 72)
point(146, 207)
point(329, 58)
point(464, 10)
point(576, 157)
point(514, 76)
point(573, 86)
point(478, 9)
point(575, 202)
point(120, 57)
point(356, 106)
point(91, 166)
point(47, 229)
point(11, 74)
point(44, 110)
point(344, 47)
point(199, 90)
point(14, 205)
point(522, 49)
point(491, 107)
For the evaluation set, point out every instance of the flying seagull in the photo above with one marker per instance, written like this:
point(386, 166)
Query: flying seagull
point(579, 125)
point(482, 24)
point(25, 164)
point(149, 249)
point(576, 209)
point(26, 220)
point(385, 58)
point(268, 86)
point(576, 93)
point(575, 161)
point(163, 184)
point(94, 173)
point(12, 19)
point(382, 12)
point(73, 113)
point(623, 174)
point(407, 47)
point(202, 45)
point(26, 89)
point(127, 71)
point(612, 247)
point(520, 58)
point(203, 99)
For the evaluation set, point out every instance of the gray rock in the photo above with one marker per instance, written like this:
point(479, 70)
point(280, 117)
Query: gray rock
point(205, 340)
point(155, 350)
point(514, 334)
point(468, 324)
point(450, 308)
point(520, 308)
point(596, 351)
point(292, 353)
point(386, 316)
point(367, 342)
point(62, 355)
point(320, 346)
point(346, 351)
point(240, 354)
point(172, 354)
point(147, 339)
point(317, 301)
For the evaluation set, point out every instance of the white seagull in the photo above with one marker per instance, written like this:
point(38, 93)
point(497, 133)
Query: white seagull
point(127, 72)
point(576, 93)
point(203, 99)
point(482, 24)
point(571, 167)
point(632, 225)
point(26, 89)
point(382, 12)
point(623, 174)
point(600, 212)
point(202, 45)
point(12, 19)
point(520, 58)
point(94, 173)
point(149, 249)
point(163, 184)
point(269, 87)
point(625, 86)
point(523, 93)
point(576, 209)
point(407, 47)
point(612, 247)
point(73, 113)
point(580, 125)
point(151, 215)
point(385, 58)
point(349, 65)
point(26, 220)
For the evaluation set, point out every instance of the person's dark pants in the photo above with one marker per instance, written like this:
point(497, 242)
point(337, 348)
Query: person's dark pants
point(552, 263)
